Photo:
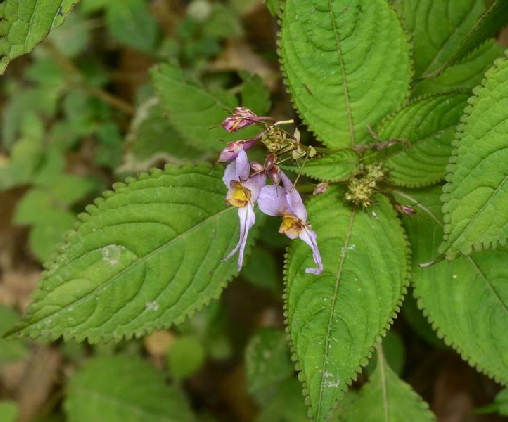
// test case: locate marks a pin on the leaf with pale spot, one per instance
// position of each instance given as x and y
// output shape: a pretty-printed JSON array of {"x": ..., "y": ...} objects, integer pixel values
[
  {"x": 144, "y": 257},
  {"x": 335, "y": 319}
]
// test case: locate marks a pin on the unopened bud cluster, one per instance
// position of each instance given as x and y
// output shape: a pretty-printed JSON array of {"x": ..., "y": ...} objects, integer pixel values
[{"x": 361, "y": 189}]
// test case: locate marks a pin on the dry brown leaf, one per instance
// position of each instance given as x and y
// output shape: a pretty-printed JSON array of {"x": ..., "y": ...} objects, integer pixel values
[
  {"x": 238, "y": 55},
  {"x": 17, "y": 286},
  {"x": 158, "y": 343}
]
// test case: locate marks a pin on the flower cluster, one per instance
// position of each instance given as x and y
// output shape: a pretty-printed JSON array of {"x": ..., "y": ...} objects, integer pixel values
[{"x": 247, "y": 183}]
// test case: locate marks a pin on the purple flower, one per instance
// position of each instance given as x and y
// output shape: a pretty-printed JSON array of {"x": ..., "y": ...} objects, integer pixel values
[
  {"x": 242, "y": 116},
  {"x": 286, "y": 202},
  {"x": 243, "y": 193},
  {"x": 231, "y": 151}
]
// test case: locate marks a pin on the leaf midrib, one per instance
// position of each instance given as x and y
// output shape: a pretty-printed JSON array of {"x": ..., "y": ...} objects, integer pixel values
[
  {"x": 332, "y": 308},
  {"x": 344, "y": 76},
  {"x": 450, "y": 37}
]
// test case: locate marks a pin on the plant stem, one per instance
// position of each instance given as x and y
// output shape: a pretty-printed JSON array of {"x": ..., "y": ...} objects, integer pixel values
[{"x": 74, "y": 77}]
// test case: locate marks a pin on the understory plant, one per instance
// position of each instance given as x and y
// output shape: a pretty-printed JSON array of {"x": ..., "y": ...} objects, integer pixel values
[{"x": 391, "y": 177}]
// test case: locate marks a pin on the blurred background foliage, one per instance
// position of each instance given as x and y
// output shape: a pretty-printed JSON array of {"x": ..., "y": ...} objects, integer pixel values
[{"x": 80, "y": 113}]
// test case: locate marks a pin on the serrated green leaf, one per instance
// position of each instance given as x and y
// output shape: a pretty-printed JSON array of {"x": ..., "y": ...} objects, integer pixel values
[
  {"x": 185, "y": 356},
  {"x": 145, "y": 257},
  {"x": 287, "y": 404},
  {"x": 49, "y": 231},
  {"x": 222, "y": 22},
  {"x": 420, "y": 325},
  {"x": 428, "y": 123},
  {"x": 151, "y": 137},
  {"x": 123, "y": 389},
  {"x": 347, "y": 64},
  {"x": 501, "y": 402},
  {"x": 268, "y": 363},
  {"x": 73, "y": 36},
  {"x": 335, "y": 319},
  {"x": 195, "y": 112},
  {"x": 26, "y": 156},
  {"x": 10, "y": 350},
  {"x": 8, "y": 411},
  {"x": 488, "y": 26},
  {"x": 464, "y": 75},
  {"x": 385, "y": 398},
  {"x": 27, "y": 23},
  {"x": 131, "y": 23},
  {"x": 394, "y": 354},
  {"x": 476, "y": 193},
  {"x": 437, "y": 27},
  {"x": 334, "y": 167},
  {"x": 465, "y": 299},
  {"x": 274, "y": 6},
  {"x": 255, "y": 94}
]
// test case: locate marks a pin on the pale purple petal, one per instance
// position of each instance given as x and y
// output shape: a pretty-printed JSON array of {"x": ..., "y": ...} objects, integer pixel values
[
  {"x": 255, "y": 184},
  {"x": 231, "y": 151},
  {"x": 229, "y": 174},
  {"x": 242, "y": 166},
  {"x": 294, "y": 199},
  {"x": 310, "y": 237},
  {"x": 272, "y": 200},
  {"x": 247, "y": 219}
]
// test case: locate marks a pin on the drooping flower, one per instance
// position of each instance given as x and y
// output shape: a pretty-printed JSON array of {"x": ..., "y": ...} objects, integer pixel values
[
  {"x": 242, "y": 117},
  {"x": 243, "y": 193},
  {"x": 231, "y": 151},
  {"x": 286, "y": 202}
]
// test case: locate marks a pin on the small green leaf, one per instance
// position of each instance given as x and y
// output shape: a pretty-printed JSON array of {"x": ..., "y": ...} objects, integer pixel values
[
  {"x": 8, "y": 411},
  {"x": 466, "y": 299},
  {"x": 477, "y": 191},
  {"x": 488, "y": 26},
  {"x": 73, "y": 36},
  {"x": 274, "y": 6},
  {"x": 347, "y": 64},
  {"x": 428, "y": 123},
  {"x": 10, "y": 350},
  {"x": 195, "y": 112},
  {"x": 334, "y": 167},
  {"x": 501, "y": 402},
  {"x": 131, "y": 23},
  {"x": 151, "y": 138},
  {"x": 255, "y": 94},
  {"x": 185, "y": 357},
  {"x": 385, "y": 398},
  {"x": 336, "y": 318},
  {"x": 437, "y": 27},
  {"x": 28, "y": 23},
  {"x": 144, "y": 257},
  {"x": 287, "y": 404},
  {"x": 268, "y": 363},
  {"x": 123, "y": 389},
  {"x": 464, "y": 75},
  {"x": 394, "y": 354}
]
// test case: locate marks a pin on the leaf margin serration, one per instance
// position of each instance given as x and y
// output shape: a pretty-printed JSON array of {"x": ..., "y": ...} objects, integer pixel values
[
  {"x": 447, "y": 193},
  {"x": 21, "y": 330},
  {"x": 363, "y": 361}
]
